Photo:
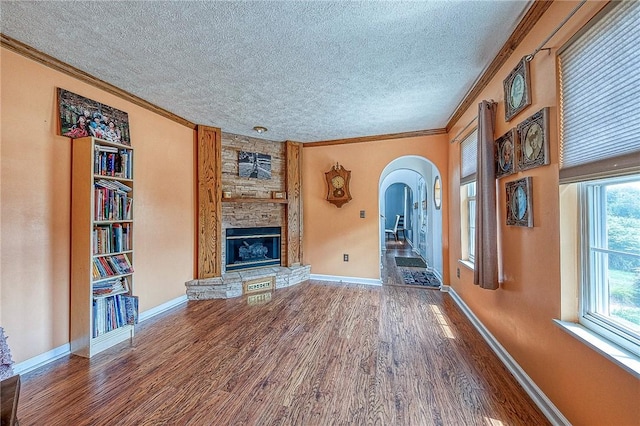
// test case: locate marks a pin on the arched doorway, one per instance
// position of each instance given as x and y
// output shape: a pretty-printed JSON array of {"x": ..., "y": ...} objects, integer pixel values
[{"x": 423, "y": 220}]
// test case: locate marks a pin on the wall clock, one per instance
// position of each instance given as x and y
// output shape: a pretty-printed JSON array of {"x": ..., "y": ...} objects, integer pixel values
[
  {"x": 338, "y": 185},
  {"x": 505, "y": 153},
  {"x": 519, "y": 203},
  {"x": 517, "y": 90},
  {"x": 533, "y": 134}
]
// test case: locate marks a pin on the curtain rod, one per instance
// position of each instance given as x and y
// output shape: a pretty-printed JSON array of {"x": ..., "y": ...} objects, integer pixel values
[
  {"x": 530, "y": 56},
  {"x": 455, "y": 139}
]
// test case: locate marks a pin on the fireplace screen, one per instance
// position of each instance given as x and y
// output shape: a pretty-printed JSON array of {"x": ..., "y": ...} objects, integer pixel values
[{"x": 252, "y": 248}]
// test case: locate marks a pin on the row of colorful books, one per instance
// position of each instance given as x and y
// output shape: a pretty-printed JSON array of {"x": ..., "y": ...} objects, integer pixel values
[
  {"x": 112, "y": 238},
  {"x": 108, "y": 266},
  {"x": 111, "y": 161},
  {"x": 111, "y": 287},
  {"x": 110, "y": 313},
  {"x": 111, "y": 204}
]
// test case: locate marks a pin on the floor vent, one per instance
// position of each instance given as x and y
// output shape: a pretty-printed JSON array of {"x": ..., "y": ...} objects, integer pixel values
[{"x": 258, "y": 299}]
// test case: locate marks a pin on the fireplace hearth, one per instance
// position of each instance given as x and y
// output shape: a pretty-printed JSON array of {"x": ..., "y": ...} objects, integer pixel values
[{"x": 248, "y": 248}]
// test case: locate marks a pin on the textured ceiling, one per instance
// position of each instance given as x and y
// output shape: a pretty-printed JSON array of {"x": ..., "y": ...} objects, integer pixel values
[{"x": 306, "y": 70}]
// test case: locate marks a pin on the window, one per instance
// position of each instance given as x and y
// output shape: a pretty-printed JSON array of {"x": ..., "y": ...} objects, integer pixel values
[
  {"x": 471, "y": 222},
  {"x": 611, "y": 258},
  {"x": 600, "y": 164},
  {"x": 468, "y": 164}
]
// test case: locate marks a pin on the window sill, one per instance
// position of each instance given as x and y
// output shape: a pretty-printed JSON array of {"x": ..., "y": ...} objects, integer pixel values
[
  {"x": 621, "y": 357},
  {"x": 466, "y": 263}
]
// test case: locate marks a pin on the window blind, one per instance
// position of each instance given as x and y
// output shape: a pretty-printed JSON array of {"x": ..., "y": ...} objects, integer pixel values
[
  {"x": 600, "y": 97},
  {"x": 469, "y": 158}
]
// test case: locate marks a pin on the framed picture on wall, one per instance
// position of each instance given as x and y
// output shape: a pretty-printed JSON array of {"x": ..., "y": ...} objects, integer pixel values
[
  {"x": 505, "y": 153},
  {"x": 81, "y": 117},
  {"x": 517, "y": 90},
  {"x": 533, "y": 134},
  {"x": 519, "y": 202},
  {"x": 254, "y": 165}
]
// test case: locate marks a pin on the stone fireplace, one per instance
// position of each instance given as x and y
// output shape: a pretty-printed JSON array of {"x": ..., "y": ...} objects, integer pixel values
[
  {"x": 250, "y": 242},
  {"x": 254, "y": 247}
]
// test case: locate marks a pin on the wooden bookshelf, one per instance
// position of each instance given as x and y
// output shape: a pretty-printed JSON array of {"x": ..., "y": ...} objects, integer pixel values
[{"x": 103, "y": 313}]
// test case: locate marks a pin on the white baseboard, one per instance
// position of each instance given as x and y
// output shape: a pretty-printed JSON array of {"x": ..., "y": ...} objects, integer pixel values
[
  {"x": 539, "y": 398},
  {"x": 64, "y": 350},
  {"x": 150, "y": 313},
  {"x": 353, "y": 280},
  {"x": 42, "y": 359},
  {"x": 436, "y": 273}
]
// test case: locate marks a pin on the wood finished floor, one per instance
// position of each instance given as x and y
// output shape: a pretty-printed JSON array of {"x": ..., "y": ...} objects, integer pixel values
[
  {"x": 316, "y": 354},
  {"x": 390, "y": 272}
]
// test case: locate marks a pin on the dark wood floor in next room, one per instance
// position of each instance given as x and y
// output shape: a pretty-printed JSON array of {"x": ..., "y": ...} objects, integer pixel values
[{"x": 315, "y": 354}]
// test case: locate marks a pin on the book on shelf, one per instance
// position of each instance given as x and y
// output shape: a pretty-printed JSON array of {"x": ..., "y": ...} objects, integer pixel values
[
  {"x": 112, "y": 238},
  {"x": 127, "y": 164},
  {"x": 111, "y": 161},
  {"x": 111, "y": 204},
  {"x": 126, "y": 237},
  {"x": 123, "y": 263},
  {"x": 119, "y": 264},
  {"x": 110, "y": 287},
  {"x": 98, "y": 269},
  {"x": 110, "y": 313},
  {"x": 110, "y": 265},
  {"x": 121, "y": 240},
  {"x": 105, "y": 268},
  {"x": 131, "y": 307},
  {"x": 106, "y": 148},
  {"x": 114, "y": 185}
]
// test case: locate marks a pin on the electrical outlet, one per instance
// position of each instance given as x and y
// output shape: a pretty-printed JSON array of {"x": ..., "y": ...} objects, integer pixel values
[
  {"x": 345, "y": 257},
  {"x": 361, "y": 214},
  {"x": 458, "y": 272}
]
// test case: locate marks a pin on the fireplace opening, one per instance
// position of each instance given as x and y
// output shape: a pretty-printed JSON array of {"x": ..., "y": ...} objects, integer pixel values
[{"x": 252, "y": 248}]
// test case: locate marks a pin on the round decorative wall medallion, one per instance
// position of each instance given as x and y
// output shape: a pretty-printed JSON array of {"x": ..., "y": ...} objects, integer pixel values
[{"x": 437, "y": 193}]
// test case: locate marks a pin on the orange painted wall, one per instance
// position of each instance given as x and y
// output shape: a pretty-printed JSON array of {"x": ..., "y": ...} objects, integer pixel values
[
  {"x": 586, "y": 387},
  {"x": 35, "y": 199},
  {"x": 329, "y": 232},
  {"x": 35, "y": 206}
]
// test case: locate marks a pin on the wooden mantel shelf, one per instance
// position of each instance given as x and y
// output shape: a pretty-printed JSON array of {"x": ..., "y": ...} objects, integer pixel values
[{"x": 255, "y": 200}]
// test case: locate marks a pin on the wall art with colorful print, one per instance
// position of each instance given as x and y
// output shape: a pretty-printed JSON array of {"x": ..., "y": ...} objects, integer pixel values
[{"x": 81, "y": 117}]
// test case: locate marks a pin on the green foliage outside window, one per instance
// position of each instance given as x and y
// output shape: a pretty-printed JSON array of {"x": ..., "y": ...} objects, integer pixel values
[{"x": 623, "y": 235}]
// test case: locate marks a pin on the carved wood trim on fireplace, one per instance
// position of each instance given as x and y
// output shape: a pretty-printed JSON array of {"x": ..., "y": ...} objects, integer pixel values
[
  {"x": 293, "y": 230},
  {"x": 209, "y": 205}
]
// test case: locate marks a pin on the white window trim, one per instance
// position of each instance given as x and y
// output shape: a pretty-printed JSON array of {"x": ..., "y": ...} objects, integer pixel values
[
  {"x": 467, "y": 264},
  {"x": 465, "y": 259},
  {"x": 573, "y": 323},
  {"x": 588, "y": 319},
  {"x": 471, "y": 258},
  {"x": 623, "y": 358}
]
